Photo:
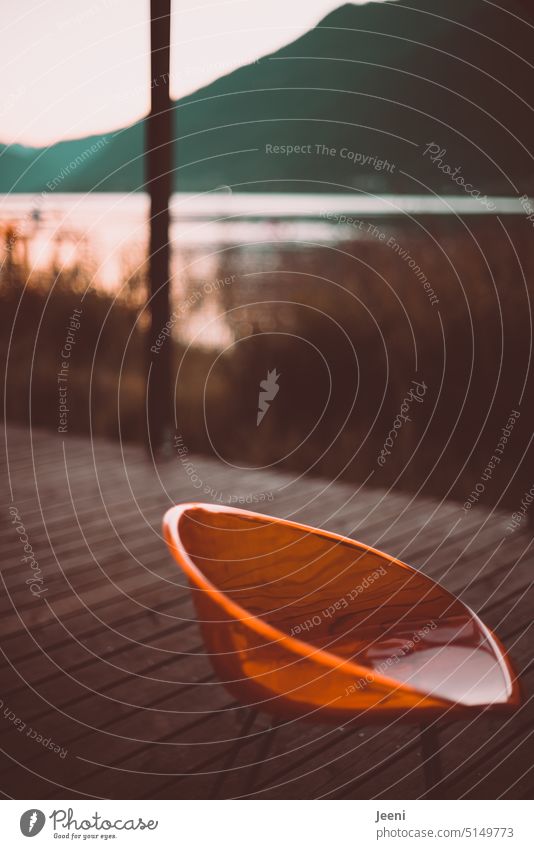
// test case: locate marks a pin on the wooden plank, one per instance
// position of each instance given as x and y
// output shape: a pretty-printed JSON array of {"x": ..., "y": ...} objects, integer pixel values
[
  {"x": 136, "y": 693},
  {"x": 134, "y": 762}
]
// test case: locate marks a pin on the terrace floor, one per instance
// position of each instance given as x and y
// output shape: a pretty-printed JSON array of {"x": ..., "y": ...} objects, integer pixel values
[{"x": 106, "y": 691}]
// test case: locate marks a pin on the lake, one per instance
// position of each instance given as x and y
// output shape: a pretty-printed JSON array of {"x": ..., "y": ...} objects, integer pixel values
[{"x": 111, "y": 229}]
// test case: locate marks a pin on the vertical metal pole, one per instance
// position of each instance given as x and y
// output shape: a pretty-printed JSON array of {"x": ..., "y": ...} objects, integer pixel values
[
  {"x": 430, "y": 755},
  {"x": 158, "y": 158},
  {"x": 249, "y": 718}
]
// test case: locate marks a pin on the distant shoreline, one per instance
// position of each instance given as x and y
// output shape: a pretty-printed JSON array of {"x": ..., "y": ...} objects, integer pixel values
[{"x": 270, "y": 204}]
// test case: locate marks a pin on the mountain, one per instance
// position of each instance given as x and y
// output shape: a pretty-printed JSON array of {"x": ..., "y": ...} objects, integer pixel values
[{"x": 372, "y": 86}]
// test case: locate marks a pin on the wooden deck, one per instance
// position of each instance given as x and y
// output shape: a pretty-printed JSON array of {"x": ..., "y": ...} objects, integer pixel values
[{"x": 107, "y": 664}]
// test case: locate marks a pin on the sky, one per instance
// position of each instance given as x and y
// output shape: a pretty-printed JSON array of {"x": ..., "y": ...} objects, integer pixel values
[{"x": 75, "y": 67}]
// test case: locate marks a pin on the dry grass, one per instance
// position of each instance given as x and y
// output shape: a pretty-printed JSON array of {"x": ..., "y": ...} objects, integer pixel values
[{"x": 347, "y": 328}]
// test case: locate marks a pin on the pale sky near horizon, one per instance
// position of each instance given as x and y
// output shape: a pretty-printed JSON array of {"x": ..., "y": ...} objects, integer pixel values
[{"x": 75, "y": 67}]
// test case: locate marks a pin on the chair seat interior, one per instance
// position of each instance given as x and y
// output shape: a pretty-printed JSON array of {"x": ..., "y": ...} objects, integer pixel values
[{"x": 340, "y": 597}]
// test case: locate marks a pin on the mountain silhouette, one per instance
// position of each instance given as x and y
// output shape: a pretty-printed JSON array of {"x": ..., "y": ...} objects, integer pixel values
[{"x": 364, "y": 94}]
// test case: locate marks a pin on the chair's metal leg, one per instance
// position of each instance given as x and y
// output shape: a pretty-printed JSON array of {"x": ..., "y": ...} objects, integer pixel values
[
  {"x": 253, "y": 772},
  {"x": 430, "y": 755},
  {"x": 249, "y": 718}
]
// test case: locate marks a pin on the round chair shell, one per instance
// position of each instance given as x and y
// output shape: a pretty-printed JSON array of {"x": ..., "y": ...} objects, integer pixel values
[{"x": 298, "y": 621}]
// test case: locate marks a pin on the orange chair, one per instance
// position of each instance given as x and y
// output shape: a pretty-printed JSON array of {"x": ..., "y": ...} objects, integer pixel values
[{"x": 303, "y": 622}]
